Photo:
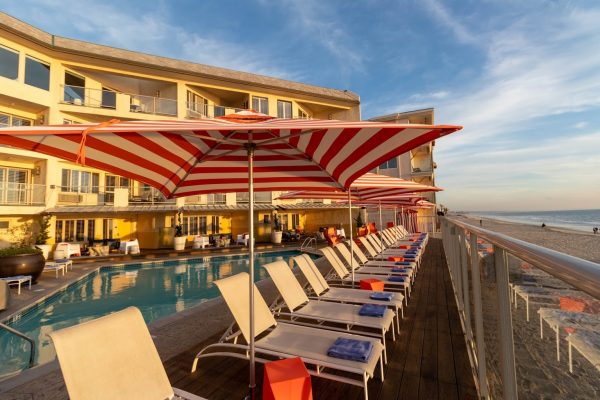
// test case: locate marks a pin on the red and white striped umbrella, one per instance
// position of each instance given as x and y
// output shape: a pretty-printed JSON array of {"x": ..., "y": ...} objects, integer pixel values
[
  {"x": 249, "y": 152},
  {"x": 182, "y": 158},
  {"x": 366, "y": 187}
]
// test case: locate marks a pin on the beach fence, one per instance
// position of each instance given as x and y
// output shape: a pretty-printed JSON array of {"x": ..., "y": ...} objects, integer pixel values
[{"x": 530, "y": 315}]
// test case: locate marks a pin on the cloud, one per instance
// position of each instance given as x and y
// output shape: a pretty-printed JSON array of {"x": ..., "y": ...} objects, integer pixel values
[
  {"x": 581, "y": 125},
  {"x": 147, "y": 30},
  {"x": 320, "y": 22},
  {"x": 445, "y": 18}
]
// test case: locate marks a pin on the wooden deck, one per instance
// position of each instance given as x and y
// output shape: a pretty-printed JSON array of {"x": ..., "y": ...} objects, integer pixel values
[{"x": 427, "y": 361}]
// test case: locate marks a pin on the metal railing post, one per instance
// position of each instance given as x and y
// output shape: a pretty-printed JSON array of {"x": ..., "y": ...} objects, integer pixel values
[
  {"x": 478, "y": 314},
  {"x": 507, "y": 348},
  {"x": 465, "y": 279}
]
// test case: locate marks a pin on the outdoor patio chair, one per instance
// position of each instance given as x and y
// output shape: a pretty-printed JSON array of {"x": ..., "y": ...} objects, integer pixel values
[
  {"x": 382, "y": 269},
  {"x": 113, "y": 357},
  {"x": 200, "y": 242},
  {"x": 345, "y": 277},
  {"x": 322, "y": 290},
  {"x": 324, "y": 314},
  {"x": 66, "y": 250},
  {"x": 277, "y": 339},
  {"x": 243, "y": 239},
  {"x": 364, "y": 261},
  {"x": 588, "y": 344}
]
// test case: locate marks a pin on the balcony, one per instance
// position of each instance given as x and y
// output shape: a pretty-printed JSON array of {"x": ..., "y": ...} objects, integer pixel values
[
  {"x": 121, "y": 102},
  {"x": 421, "y": 171},
  {"x": 108, "y": 195},
  {"x": 22, "y": 194}
]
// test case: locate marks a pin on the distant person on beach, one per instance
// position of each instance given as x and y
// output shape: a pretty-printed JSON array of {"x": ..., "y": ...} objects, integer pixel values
[
  {"x": 595, "y": 230},
  {"x": 543, "y": 225},
  {"x": 480, "y": 222}
]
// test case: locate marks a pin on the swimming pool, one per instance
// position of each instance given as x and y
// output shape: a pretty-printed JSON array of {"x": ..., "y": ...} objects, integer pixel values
[{"x": 158, "y": 289}]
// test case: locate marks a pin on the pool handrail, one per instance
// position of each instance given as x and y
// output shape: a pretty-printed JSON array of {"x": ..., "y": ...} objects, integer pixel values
[{"x": 25, "y": 337}]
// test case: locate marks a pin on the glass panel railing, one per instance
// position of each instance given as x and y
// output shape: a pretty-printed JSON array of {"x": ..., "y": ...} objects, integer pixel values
[
  {"x": 531, "y": 316},
  {"x": 22, "y": 194}
]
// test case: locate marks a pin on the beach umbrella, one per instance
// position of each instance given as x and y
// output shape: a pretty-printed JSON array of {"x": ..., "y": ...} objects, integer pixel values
[
  {"x": 362, "y": 191},
  {"x": 243, "y": 152}
]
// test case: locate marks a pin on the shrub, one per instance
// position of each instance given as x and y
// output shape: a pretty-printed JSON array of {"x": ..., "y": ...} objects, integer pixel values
[{"x": 15, "y": 251}]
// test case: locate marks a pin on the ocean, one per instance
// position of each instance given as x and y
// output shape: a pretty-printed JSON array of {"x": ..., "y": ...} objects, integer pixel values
[{"x": 580, "y": 220}]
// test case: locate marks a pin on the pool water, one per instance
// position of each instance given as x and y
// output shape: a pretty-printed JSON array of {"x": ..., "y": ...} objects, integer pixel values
[{"x": 158, "y": 289}]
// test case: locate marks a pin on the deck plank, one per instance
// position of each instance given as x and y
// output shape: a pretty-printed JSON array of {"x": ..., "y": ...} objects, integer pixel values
[{"x": 428, "y": 360}]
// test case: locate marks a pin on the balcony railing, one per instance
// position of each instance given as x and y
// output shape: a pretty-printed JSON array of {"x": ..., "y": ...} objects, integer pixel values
[
  {"x": 196, "y": 110},
  {"x": 22, "y": 194},
  {"x": 105, "y": 195},
  {"x": 123, "y": 102},
  {"x": 508, "y": 293}
]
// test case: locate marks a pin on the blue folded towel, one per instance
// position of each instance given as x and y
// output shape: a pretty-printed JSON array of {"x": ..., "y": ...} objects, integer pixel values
[
  {"x": 372, "y": 310},
  {"x": 351, "y": 349},
  {"x": 382, "y": 296},
  {"x": 395, "y": 278},
  {"x": 396, "y": 269},
  {"x": 402, "y": 263},
  {"x": 64, "y": 260}
]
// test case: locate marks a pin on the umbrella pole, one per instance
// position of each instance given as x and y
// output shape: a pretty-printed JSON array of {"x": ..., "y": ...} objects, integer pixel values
[
  {"x": 252, "y": 384},
  {"x": 351, "y": 239},
  {"x": 395, "y": 216},
  {"x": 380, "y": 227}
]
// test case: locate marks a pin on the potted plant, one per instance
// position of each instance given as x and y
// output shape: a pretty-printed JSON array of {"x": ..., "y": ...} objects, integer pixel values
[
  {"x": 276, "y": 233},
  {"x": 180, "y": 238},
  {"x": 42, "y": 236},
  {"x": 21, "y": 258}
]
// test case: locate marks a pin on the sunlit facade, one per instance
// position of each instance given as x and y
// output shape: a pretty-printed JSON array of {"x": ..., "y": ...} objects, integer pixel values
[{"x": 47, "y": 79}]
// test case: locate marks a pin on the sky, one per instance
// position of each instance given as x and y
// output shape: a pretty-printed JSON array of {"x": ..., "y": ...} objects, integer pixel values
[{"x": 522, "y": 77}]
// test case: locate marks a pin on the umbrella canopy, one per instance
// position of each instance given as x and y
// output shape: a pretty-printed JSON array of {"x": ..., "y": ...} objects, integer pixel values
[
  {"x": 182, "y": 158},
  {"x": 249, "y": 152},
  {"x": 366, "y": 187}
]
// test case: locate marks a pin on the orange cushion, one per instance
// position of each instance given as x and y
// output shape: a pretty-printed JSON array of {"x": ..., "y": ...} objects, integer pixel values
[
  {"x": 372, "y": 284},
  {"x": 397, "y": 259},
  {"x": 286, "y": 379}
]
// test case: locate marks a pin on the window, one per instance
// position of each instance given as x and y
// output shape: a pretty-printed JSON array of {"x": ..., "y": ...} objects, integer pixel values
[
  {"x": 91, "y": 232},
  {"x": 260, "y": 104},
  {"x": 109, "y": 98},
  {"x": 12, "y": 120},
  {"x": 74, "y": 89},
  {"x": 9, "y": 63},
  {"x": 79, "y": 181},
  {"x": 259, "y": 197},
  {"x": 391, "y": 163},
  {"x": 302, "y": 114},
  {"x": 215, "y": 224},
  {"x": 284, "y": 109},
  {"x": 196, "y": 104},
  {"x": 37, "y": 73},
  {"x": 284, "y": 221},
  {"x": 215, "y": 198},
  {"x": 186, "y": 222},
  {"x": 13, "y": 185},
  {"x": 202, "y": 223},
  {"x": 70, "y": 122},
  {"x": 295, "y": 221},
  {"x": 73, "y": 230},
  {"x": 107, "y": 228}
]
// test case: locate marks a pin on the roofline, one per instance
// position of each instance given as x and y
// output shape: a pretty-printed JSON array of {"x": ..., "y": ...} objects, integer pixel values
[
  {"x": 72, "y": 46},
  {"x": 399, "y": 115}
]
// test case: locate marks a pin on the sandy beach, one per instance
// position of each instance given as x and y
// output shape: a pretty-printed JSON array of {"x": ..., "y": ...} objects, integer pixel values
[{"x": 576, "y": 243}]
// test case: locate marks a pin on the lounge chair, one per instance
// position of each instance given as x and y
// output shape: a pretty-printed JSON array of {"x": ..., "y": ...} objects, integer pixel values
[
  {"x": 364, "y": 261},
  {"x": 383, "y": 269},
  {"x": 113, "y": 357},
  {"x": 277, "y": 339},
  {"x": 567, "y": 319},
  {"x": 66, "y": 250},
  {"x": 588, "y": 344},
  {"x": 344, "y": 276},
  {"x": 374, "y": 247},
  {"x": 341, "y": 317},
  {"x": 323, "y": 291}
]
